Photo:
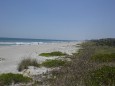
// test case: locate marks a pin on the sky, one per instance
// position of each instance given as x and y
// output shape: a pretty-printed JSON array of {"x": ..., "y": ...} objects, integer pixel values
[{"x": 57, "y": 19}]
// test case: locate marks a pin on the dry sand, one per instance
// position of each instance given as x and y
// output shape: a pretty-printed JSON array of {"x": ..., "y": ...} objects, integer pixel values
[{"x": 10, "y": 56}]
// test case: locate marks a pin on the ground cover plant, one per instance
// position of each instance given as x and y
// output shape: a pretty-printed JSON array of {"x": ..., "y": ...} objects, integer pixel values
[
  {"x": 104, "y": 57},
  {"x": 53, "y": 63},
  {"x": 9, "y": 78},
  {"x": 104, "y": 76},
  {"x": 56, "y": 53}
]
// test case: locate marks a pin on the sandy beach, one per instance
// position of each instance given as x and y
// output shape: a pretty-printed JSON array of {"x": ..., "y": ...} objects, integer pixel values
[{"x": 10, "y": 56}]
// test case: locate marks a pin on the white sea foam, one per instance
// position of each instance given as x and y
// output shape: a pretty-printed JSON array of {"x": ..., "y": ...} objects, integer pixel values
[{"x": 20, "y": 43}]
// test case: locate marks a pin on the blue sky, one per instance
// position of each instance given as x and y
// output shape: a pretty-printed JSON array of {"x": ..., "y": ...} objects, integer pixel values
[{"x": 57, "y": 19}]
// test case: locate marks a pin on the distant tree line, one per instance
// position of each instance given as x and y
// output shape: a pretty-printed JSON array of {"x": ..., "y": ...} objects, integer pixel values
[{"x": 105, "y": 42}]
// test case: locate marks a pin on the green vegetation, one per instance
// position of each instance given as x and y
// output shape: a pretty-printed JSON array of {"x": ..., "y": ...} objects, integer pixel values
[
  {"x": 56, "y": 53},
  {"x": 105, "y": 42},
  {"x": 53, "y": 63},
  {"x": 27, "y": 62},
  {"x": 9, "y": 78},
  {"x": 92, "y": 65},
  {"x": 105, "y": 50},
  {"x": 104, "y": 76},
  {"x": 104, "y": 57},
  {"x": 87, "y": 66}
]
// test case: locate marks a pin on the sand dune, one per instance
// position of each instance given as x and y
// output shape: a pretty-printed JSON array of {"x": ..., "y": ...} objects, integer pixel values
[{"x": 12, "y": 55}]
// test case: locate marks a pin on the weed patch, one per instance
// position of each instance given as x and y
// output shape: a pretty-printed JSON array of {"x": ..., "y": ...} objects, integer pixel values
[{"x": 56, "y": 53}]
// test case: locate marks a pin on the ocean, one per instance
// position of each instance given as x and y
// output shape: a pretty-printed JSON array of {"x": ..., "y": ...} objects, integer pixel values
[{"x": 27, "y": 41}]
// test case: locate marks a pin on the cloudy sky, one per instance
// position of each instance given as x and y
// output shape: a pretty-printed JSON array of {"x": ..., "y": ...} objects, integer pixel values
[{"x": 57, "y": 19}]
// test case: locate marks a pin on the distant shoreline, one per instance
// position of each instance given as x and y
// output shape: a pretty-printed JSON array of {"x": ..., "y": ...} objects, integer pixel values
[{"x": 24, "y": 41}]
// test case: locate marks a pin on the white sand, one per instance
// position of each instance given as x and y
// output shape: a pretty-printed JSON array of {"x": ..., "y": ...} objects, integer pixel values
[{"x": 12, "y": 55}]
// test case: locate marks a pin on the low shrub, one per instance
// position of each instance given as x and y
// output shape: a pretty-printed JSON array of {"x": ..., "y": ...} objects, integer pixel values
[
  {"x": 53, "y": 63},
  {"x": 77, "y": 73},
  {"x": 27, "y": 62},
  {"x": 104, "y": 76},
  {"x": 104, "y": 57},
  {"x": 56, "y": 53},
  {"x": 105, "y": 42},
  {"x": 9, "y": 78}
]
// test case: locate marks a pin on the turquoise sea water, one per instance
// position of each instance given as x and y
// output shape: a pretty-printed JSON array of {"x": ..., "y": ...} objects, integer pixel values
[{"x": 25, "y": 41}]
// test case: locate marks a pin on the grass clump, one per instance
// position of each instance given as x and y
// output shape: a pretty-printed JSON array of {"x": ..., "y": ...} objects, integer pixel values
[
  {"x": 104, "y": 57},
  {"x": 27, "y": 62},
  {"x": 56, "y": 53},
  {"x": 9, "y": 78},
  {"x": 104, "y": 76},
  {"x": 53, "y": 63}
]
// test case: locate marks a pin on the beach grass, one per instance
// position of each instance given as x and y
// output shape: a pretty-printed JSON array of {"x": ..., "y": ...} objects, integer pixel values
[
  {"x": 53, "y": 63},
  {"x": 55, "y": 53},
  {"x": 9, "y": 78},
  {"x": 27, "y": 62}
]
